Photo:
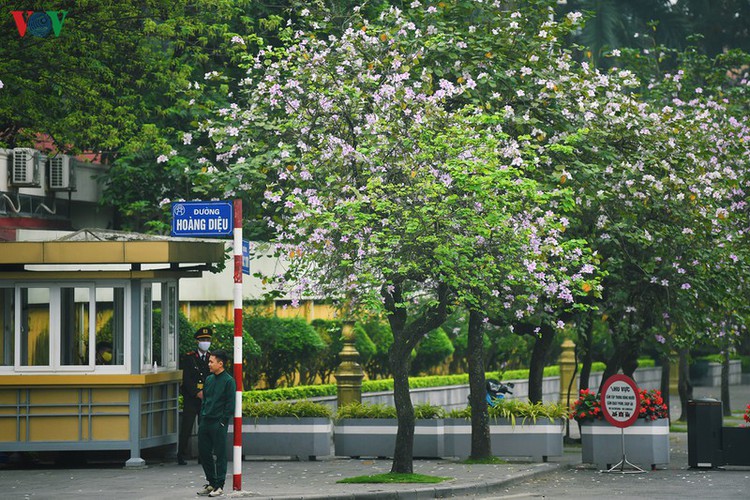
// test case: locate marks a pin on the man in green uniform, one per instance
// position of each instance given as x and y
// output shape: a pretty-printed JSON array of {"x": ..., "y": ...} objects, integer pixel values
[
  {"x": 194, "y": 366},
  {"x": 216, "y": 412}
]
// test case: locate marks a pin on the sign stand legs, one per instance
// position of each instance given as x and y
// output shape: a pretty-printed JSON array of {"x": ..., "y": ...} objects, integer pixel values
[{"x": 622, "y": 463}]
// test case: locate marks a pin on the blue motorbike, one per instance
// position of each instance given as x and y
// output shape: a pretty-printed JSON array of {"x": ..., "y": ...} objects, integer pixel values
[{"x": 497, "y": 390}]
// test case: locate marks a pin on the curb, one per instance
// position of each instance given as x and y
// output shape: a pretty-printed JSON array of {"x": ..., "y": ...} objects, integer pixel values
[{"x": 442, "y": 491}]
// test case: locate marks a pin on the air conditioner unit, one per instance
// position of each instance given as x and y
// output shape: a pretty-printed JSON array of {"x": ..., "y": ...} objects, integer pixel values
[
  {"x": 25, "y": 168},
  {"x": 61, "y": 173}
]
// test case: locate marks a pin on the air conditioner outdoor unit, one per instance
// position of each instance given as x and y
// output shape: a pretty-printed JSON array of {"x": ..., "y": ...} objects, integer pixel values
[
  {"x": 25, "y": 167},
  {"x": 61, "y": 173}
]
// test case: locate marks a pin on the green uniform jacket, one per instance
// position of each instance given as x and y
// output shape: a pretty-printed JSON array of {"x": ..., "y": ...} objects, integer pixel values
[{"x": 218, "y": 397}]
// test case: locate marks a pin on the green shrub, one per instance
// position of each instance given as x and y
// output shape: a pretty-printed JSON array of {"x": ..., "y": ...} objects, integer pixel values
[
  {"x": 386, "y": 385},
  {"x": 330, "y": 331},
  {"x": 462, "y": 413},
  {"x": 370, "y": 410},
  {"x": 425, "y": 411},
  {"x": 745, "y": 360},
  {"x": 502, "y": 348},
  {"x": 432, "y": 351},
  {"x": 646, "y": 363},
  {"x": 514, "y": 409},
  {"x": 285, "y": 393},
  {"x": 381, "y": 335},
  {"x": 365, "y": 410},
  {"x": 297, "y": 409},
  {"x": 715, "y": 358},
  {"x": 288, "y": 346}
]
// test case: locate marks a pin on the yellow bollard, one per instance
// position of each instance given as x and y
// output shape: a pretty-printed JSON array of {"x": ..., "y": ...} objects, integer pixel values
[
  {"x": 567, "y": 369},
  {"x": 349, "y": 373}
]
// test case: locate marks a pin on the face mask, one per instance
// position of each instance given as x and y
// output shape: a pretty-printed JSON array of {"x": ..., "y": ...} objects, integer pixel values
[
  {"x": 107, "y": 356},
  {"x": 203, "y": 346}
]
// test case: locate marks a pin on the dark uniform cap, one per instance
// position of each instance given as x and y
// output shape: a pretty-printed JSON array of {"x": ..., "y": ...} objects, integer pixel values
[{"x": 204, "y": 333}]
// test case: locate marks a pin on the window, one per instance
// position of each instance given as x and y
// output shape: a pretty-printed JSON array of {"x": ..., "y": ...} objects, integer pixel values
[
  {"x": 7, "y": 325},
  {"x": 34, "y": 345},
  {"x": 161, "y": 333},
  {"x": 64, "y": 327},
  {"x": 147, "y": 314},
  {"x": 110, "y": 326},
  {"x": 76, "y": 328},
  {"x": 170, "y": 345}
]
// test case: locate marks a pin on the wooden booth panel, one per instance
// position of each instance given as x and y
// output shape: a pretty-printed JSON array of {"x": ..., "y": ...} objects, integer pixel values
[{"x": 110, "y": 428}]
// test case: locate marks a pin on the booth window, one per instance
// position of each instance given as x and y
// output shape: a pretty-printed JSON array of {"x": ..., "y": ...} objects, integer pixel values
[
  {"x": 110, "y": 326},
  {"x": 75, "y": 326},
  {"x": 7, "y": 325},
  {"x": 147, "y": 313},
  {"x": 160, "y": 304},
  {"x": 35, "y": 326},
  {"x": 170, "y": 347},
  {"x": 69, "y": 327}
]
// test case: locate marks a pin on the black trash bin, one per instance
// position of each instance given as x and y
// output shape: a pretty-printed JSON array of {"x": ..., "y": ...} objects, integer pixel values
[{"x": 704, "y": 419}]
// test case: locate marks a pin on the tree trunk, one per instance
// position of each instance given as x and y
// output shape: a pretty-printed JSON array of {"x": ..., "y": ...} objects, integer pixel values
[
  {"x": 536, "y": 365},
  {"x": 587, "y": 339},
  {"x": 664, "y": 385},
  {"x": 631, "y": 350},
  {"x": 684, "y": 386},
  {"x": 406, "y": 337},
  {"x": 613, "y": 364},
  {"x": 727, "y": 409},
  {"x": 400, "y": 359},
  {"x": 481, "y": 446}
]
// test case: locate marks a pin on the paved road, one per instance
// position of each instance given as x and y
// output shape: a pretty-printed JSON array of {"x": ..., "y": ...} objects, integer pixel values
[
  {"x": 582, "y": 481},
  {"x": 675, "y": 481}
]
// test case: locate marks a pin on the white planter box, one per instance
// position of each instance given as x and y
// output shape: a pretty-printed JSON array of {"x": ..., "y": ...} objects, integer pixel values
[
  {"x": 646, "y": 443},
  {"x": 376, "y": 437},
  {"x": 304, "y": 438},
  {"x": 538, "y": 440}
]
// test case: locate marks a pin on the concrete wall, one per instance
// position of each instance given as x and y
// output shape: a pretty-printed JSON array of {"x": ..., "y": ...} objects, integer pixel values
[
  {"x": 713, "y": 376},
  {"x": 456, "y": 397}
]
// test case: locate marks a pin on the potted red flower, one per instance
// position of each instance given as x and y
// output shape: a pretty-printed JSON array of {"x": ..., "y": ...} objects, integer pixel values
[{"x": 646, "y": 441}]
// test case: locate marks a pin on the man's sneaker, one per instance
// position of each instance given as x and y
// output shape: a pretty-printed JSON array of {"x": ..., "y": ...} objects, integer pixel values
[
  {"x": 216, "y": 493},
  {"x": 207, "y": 489}
]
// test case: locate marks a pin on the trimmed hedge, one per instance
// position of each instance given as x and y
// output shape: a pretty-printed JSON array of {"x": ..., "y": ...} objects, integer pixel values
[
  {"x": 385, "y": 385},
  {"x": 378, "y": 410},
  {"x": 297, "y": 409},
  {"x": 289, "y": 346}
]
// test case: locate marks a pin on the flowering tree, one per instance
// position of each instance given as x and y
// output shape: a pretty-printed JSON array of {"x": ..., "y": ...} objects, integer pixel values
[
  {"x": 660, "y": 183},
  {"x": 453, "y": 153},
  {"x": 396, "y": 181}
]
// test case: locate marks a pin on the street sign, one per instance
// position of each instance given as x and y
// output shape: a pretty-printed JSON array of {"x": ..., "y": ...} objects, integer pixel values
[
  {"x": 621, "y": 402},
  {"x": 245, "y": 257},
  {"x": 202, "y": 218}
]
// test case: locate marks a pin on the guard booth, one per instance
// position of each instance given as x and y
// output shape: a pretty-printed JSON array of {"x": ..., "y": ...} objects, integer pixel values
[{"x": 89, "y": 340}]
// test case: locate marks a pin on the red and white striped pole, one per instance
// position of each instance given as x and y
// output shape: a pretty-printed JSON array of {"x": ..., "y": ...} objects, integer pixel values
[{"x": 237, "y": 449}]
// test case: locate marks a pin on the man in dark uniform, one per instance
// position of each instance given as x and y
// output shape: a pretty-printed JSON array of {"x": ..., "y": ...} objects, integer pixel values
[{"x": 194, "y": 366}]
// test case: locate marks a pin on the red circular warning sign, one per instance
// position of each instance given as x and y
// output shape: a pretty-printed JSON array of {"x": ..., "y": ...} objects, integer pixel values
[{"x": 620, "y": 401}]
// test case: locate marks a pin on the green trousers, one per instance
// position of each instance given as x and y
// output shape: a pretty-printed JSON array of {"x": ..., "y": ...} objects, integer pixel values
[{"x": 212, "y": 441}]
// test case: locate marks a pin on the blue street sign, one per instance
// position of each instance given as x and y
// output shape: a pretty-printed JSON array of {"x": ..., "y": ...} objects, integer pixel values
[
  {"x": 202, "y": 218},
  {"x": 245, "y": 257}
]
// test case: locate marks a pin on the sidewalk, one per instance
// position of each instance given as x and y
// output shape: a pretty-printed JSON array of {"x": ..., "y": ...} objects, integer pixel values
[
  {"x": 281, "y": 479},
  {"x": 284, "y": 479}
]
